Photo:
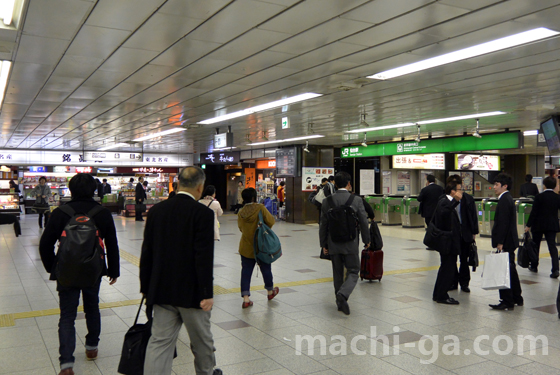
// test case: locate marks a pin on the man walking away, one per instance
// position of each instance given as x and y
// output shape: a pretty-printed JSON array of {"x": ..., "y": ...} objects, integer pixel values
[
  {"x": 428, "y": 198},
  {"x": 176, "y": 276},
  {"x": 343, "y": 254},
  {"x": 82, "y": 187},
  {"x": 140, "y": 196},
  {"x": 543, "y": 221},
  {"x": 504, "y": 238},
  {"x": 467, "y": 214},
  {"x": 529, "y": 189}
]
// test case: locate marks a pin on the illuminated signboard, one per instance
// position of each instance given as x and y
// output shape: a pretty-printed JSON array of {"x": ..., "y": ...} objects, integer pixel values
[
  {"x": 477, "y": 162},
  {"x": 428, "y": 161},
  {"x": 84, "y": 169},
  {"x": 38, "y": 169},
  {"x": 220, "y": 158}
]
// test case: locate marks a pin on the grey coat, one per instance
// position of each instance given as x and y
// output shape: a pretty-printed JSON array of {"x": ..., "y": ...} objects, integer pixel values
[
  {"x": 41, "y": 190},
  {"x": 340, "y": 197}
]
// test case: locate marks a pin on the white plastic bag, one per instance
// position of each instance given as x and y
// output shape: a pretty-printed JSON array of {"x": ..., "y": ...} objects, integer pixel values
[{"x": 496, "y": 271}]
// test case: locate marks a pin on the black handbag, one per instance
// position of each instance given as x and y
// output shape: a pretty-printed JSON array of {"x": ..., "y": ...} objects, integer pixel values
[
  {"x": 473, "y": 256},
  {"x": 140, "y": 207},
  {"x": 375, "y": 237},
  {"x": 324, "y": 256},
  {"x": 438, "y": 239},
  {"x": 135, "y": 344},
  {"x": 527, "y": 253}
]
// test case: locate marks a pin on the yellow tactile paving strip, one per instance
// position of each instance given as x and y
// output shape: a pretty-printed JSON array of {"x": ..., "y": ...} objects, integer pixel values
[{"x": 9, "y": 320}]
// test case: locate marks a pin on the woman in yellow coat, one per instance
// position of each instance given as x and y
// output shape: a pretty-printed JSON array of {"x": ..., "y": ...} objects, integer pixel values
[{"x": 247, "y": 220}]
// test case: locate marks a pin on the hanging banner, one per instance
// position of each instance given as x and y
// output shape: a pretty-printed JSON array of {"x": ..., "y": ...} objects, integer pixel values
[
  {"x": 312, "y": 176},
  {"x": 250, "y": 179},
  {"x": 367, "y": 181}
]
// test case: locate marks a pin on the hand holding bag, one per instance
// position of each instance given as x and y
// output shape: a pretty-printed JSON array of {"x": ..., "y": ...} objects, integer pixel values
[
  {"x": 496, "y": 271},
  {"x": 473, "y": 256},
  {"x": 524, "y": 251}
]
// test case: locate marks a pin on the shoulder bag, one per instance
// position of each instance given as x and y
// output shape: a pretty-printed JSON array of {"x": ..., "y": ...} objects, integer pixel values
[{"x": 438, "y": 239}]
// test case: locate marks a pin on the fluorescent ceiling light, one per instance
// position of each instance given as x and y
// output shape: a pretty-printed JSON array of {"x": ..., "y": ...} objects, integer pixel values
[
  {"x": 7, "y": 11},
  {"x": 116, "y": 145},
  {"x": 155, "y": 135},
  {"x": 223, "y": 149},
  {"x": 260, "y": 108},
  {"x": 466, "y": 53},
  {"x": 530, "y": 132},
  {"x": 4, "y": 73},
  {"x": 425, "y": 122},
  {"x": 288, "y": 140}
]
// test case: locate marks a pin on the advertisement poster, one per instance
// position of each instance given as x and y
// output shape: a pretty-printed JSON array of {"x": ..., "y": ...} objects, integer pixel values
[
  {"x": 477, "y": 162},
  {"x": 468, "y": 181},
  {"x": 428, "y": 161},
  {"x": 250, "y": 178},
  {"x": 386, "y": 182},
  {"x": 367, "y": 181},
  {"x": 312, "y": 176},
  {"x": 403, "y": 182},
  {"x": 477, "y": 186}
]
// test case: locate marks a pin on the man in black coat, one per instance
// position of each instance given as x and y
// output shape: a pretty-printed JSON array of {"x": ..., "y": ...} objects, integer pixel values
[
  {"x": 529, "y": 189},
  {"x": 176, "y": 275},
  {"x": 543, "y": 221},
  {"x": 140, "y": 196},
  {"x": 428, "y": 198},
  {"x": 447, "y": 219},
  {"x": 469, "y": 229},
  {"x": 504, "y": 238},
  {"x": 82, "y": 186}
]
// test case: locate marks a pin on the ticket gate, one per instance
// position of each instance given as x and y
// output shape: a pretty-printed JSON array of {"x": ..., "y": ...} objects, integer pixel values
[
  {"x": 410, "y": 214},
  {"x": 392, "y": 208}
]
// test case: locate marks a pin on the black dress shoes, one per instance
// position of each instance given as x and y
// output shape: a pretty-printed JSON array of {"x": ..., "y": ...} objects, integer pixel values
[
  {"x": 342, "y": 304},
  {"x": 465, "y": 289},
  {"x": 519, "y": 302},
  {"x": 554, "y": 275},
  {"x": 449, "y": 301},
  {"x": 533, "y": 269},
  {"x": 502, "y": 306}
]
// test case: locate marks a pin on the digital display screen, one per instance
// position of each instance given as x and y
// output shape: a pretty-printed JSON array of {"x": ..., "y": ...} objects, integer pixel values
[{"x": 550, "y": 131}]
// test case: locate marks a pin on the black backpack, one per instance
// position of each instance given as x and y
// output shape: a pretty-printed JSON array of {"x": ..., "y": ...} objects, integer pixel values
[
  {"x": 342, "y": 221},
  {"x": 80, "y": 260}
]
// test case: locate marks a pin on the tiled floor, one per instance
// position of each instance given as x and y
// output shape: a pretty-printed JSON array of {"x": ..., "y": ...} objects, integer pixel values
[{"x": 394, "y": 328}]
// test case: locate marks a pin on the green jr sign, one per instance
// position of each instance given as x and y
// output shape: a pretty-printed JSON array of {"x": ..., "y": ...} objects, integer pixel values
[{"x": 495, "y": 141}]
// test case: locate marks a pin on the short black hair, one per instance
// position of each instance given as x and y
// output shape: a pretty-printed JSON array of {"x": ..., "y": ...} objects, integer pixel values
[
  {"x": 174, "y": 185},
  {"x": 342, "y": 179},
  {"x": 104, "y": 180},
  {"x": 549, "y": 182},
  {"x": 331, "y": 178},
  {"x": 42, "y": 178},
  {"x": 145, "y": 183},
  {"x": 131, "y": 179},
  {"x": 209, "y": 190},
  {"x": 240, "y": 182},
  {"x": 324, "y": 180},
  {"x": 504, "y": 179},
  {"x": 140, "y": 179},
  {"x": 282, "y": 183},
  {"x": 249, "y": 195},
  {"x": 528, "y": 178},
  {"x": 430, "y": 178},
  {"x": 451, "y": 186},
  {"x": 191, "y": 177},
  {"x": 82, "y": 185},
  {"x": 455, "y": 177}
]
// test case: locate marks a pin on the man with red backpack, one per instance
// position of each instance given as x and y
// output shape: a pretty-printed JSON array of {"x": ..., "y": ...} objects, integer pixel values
[{"x": 83, "y": 228}]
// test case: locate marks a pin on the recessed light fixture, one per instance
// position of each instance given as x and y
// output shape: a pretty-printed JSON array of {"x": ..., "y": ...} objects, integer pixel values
[
  {"x": 155, "y": 135},
  {"x": 466, "y": 53},
  {"x": 530, "y": 132},
  {"x": 4, "y": 73},
  {"x": 116, "y": 145},
  {"x": 262, "y": 107},
  {"x": 7, "y": 11},
  {"x": 288, "y": 140},
  {"x": 425, "y": 122}
]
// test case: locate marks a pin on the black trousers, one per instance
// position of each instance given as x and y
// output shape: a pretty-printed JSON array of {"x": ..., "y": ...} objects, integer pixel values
[
  {"x": 445, "y": 276},
  {"x": 47, "y": 214},
  {"x": 552, "y": 249},
  {"x": 512, "y": 295},
  {"x": 463, "y": 276},
  {"x": 138, "y": 213}
]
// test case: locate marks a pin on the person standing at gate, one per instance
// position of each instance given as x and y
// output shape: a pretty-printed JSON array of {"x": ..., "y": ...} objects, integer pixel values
[
  {"x": 529, "y": 189},
  {"x": 140, "y": 196},
  {"x": 428, "y": 198},
  {"x": 543, "y": 221},
  {"x": 505, "y": 239}
]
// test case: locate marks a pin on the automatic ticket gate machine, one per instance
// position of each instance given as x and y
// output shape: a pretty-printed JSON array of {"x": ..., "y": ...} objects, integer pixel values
[
  {"x": 392, "y": 209},
  {"x": 489, "y": 206},
  {"x": 479, "y": 212},
  {"x": 376, "y": 202},
  {"x": 523, "y": 207},
  {"x": 410, "y": 216}
]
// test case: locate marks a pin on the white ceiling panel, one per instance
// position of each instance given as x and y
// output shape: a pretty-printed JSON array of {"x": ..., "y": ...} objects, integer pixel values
[
  {"x": 59, "y": 19},
  {"x": 117, "y": 14},
  {"x": 97, "y": 42},
  {"x": 379, "y": 11},
  {"x": 39, "y": 50},
  {"x": 193, "y": 8}
]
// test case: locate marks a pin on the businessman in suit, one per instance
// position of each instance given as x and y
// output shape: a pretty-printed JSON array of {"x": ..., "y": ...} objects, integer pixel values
[
  {"x": 176, "y": 275},
  {"x": 505, "y": 239},
  {"x": 466, "y": 211},
  {"x": 543, "y": 221},
  {"x": 428, "y": 198},
  {"x": 345, "y": 254},
  {"x": 529, "y": 189},
  {"x": 140, "y": 196}
]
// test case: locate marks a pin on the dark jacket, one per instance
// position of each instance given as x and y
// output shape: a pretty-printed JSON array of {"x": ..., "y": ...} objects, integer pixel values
[
  {"x": 504, "y": 230},
  {"x": 369, "y": 210},
  {"x": 446, "y": 218},
  {"x": 529, "y": 189},
  {"x": 102, "y": 190},
  {"x": 177, "y": 261},
  {"x": 469, "y": 218},
  {"x": 140, "y": 193},
  {"x": 428, "y": 198},
  {"x": 544, "y": 214},
  {"x": 104, "y": 223},
  {"x": 172, "y": 194}
]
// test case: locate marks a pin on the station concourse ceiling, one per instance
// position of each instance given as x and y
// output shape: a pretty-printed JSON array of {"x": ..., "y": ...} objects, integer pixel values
[{"x": 92, "y": 73}]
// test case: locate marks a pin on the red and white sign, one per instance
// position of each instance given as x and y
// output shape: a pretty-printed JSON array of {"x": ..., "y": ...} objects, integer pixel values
[
  {"x": 84, "y": 169},
  {"x": 266, "y": 164},
  {"x": 426, "y": 161}
]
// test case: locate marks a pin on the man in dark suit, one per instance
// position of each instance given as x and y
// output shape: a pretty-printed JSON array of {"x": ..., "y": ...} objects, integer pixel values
[
  {"x": 469, "y": 229},
  {"x": 504, "y": 238},
  {"x": 428, "y": 198},
  {"x": 529, "y": 189},
  {"x": 140, "y": 196},
  {"x": 176, "y": 275},
  {"x": 543, "y": 221},
  {"x": 446, "y": 218},
  {"x": 343, "y": 254},
  {"x": 106, "y": 188}
]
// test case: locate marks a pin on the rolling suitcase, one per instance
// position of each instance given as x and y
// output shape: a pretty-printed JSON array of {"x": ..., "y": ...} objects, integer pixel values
[{"x": 372, "y": 265}]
